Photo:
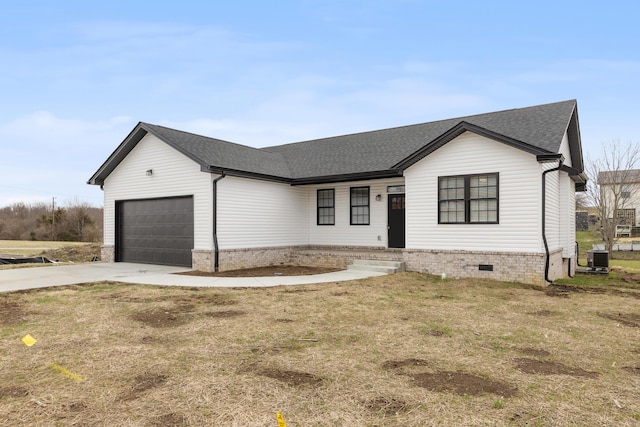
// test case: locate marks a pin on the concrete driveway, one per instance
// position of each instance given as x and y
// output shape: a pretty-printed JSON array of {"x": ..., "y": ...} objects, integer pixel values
[{"x": 43, "y": 277}]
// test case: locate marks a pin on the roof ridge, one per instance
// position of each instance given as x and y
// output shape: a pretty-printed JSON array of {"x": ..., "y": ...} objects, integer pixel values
[
  {"x": 201, "y": 136},
  {"x": 454, "y": 119}
]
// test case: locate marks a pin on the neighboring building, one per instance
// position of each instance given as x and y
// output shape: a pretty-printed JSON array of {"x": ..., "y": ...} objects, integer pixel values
[
  {"x": 490, "y": 195},
  {"x": 620, "y": 191}
]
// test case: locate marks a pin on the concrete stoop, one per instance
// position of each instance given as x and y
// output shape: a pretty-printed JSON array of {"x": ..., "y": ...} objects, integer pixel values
[{"x": 377, "y": 266}]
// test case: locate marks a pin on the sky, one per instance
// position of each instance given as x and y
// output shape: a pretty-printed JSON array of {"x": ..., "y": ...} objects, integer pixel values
[{"x": 76, "y": 76}]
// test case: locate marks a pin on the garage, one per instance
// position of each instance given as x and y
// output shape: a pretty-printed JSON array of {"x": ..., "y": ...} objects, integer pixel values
[{"x": 155, "y": 231}]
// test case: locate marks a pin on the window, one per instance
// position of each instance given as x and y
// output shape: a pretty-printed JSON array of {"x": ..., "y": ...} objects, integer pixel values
[
  {"x": 468, "y": 199},
  {"x": 626, "y": 192},
  {"x": 326, "y": 207},
  {"x": 359, "y": 205}
]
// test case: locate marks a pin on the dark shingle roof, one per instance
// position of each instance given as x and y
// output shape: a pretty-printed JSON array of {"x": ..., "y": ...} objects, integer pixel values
[
  {"x": 223, "y": 154},
  {"x": 629, "y": 176},
  {"x": 386, "y": 152},
  {"x": 541, "y": 127}
]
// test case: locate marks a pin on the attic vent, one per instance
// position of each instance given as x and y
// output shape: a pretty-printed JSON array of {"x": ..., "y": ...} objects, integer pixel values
[{"x": 485, "y": 267}]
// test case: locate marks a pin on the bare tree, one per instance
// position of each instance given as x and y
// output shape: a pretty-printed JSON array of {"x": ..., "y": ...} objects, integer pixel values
[
  {"x": 583, "y": 201},
  {"x": 614, "y": 185},
  {"x": 81, "y": 222},
  {"x": 78, "y": 221}
]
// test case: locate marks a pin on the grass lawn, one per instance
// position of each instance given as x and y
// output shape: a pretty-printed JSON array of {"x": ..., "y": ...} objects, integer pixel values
[
  {"x": 399, "y": 350},
  {"x": 626, "y": 259}
]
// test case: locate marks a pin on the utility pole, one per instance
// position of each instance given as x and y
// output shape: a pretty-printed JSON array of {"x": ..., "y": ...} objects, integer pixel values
[{"x": 53, "y": 217}]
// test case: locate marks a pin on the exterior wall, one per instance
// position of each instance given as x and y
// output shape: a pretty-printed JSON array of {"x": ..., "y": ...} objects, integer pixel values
[
  {"x": 519, "y": 228},
  {"x": 107, "y": 253},
  {"x": 565, "y": 150},
  {"x": 173, "y": 175},
  {"x": 343, "y": 233},
  {"x": 552, "y": 220},
  {"x": 567, "y": 216},
  {"x": 260, "y": 214},
  {"x": 520, "y": 267},
  {"x": 342, "y": 256},
  {"x": 317, "y": 256},
  {"x": 234, "y": 259}
]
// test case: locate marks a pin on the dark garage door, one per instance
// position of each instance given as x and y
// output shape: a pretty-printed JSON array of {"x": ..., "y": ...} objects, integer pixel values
[{"x": 155, "y": 231}]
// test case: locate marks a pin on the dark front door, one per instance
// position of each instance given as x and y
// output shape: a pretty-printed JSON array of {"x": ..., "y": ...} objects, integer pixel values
[{"x": 396, "y": 220}]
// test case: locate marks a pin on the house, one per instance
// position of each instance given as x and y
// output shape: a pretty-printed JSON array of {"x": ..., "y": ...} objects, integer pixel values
[
  {"x": 489, "y": 195},
  {"x": 620, "y": 199}
]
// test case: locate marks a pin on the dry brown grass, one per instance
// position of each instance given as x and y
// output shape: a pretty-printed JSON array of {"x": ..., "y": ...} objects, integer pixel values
[{"x": 400, "y": 350}]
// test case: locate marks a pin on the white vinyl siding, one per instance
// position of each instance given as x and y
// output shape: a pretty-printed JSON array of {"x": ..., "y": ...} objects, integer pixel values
[
  {"x": 567, "y": 216},
  {"x": 565, "y": 151},
  {"x": 567, "y": 205},
  {"x": 552, "y": 219},
  {"x": 519, "y": 227},
  {"x": 255, "y": 214},
  {"x": 342, "y": 233},
  {"x": 173, "y": 175}
]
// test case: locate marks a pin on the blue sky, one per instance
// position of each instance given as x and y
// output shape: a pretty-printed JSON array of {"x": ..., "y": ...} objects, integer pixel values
[{"x": 77, "y": 76}]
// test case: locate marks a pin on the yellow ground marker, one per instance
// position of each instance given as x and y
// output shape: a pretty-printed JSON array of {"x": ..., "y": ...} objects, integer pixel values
[
  {"x": 28, "y": 340},
  {"x": 65, "y": 371},
  {"x": 281, "y": 422}
]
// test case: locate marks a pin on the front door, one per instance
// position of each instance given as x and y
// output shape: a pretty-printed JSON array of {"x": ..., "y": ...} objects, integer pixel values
[{"x": 396, "y": 220}]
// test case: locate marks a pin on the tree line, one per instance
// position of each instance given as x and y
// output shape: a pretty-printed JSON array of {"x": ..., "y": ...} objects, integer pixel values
[{"x": 75, "y": 221}]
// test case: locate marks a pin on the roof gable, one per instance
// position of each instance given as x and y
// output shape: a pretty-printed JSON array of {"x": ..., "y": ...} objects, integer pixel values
[
  {"x": 458, "y": 130},
  {"x": 213, "y": 155}
]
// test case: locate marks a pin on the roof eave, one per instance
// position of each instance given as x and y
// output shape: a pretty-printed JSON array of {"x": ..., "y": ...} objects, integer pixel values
[
  {"x": 125, "y": 147},
  {"x": 575, "y": 141},
  {"x": 360, "y": 176},
  {"x": 244, "y": 174}
]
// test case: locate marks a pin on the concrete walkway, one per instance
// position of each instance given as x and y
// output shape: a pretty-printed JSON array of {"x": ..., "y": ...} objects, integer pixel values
[{"x": 43, "y": 277}]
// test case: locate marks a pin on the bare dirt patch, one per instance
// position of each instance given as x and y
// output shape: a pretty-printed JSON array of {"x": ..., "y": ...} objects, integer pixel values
[
  {"x": 11, "y": 311},
  {"x": 539, "y": 367},
  {"x": 290, "y": 290},
  {"x": 162, "y": 317},
  {"x": 212, "y": 299},
  {"x": 225, "y": 314},
  {"x": 627, "y": 319},
  {"x": 627, "y": 277},
  {"x": 462, "y": 383},
  {"x": 13, "y": 391},
  {"x": 293, "y": 378},
  {"x": 387, "y": 406},
  {"x": 397, "y": 364},
  {"x": 143, "y": 383},
  {"x": 555, "y": 292},
  {"x": 274, "y": 270}
]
